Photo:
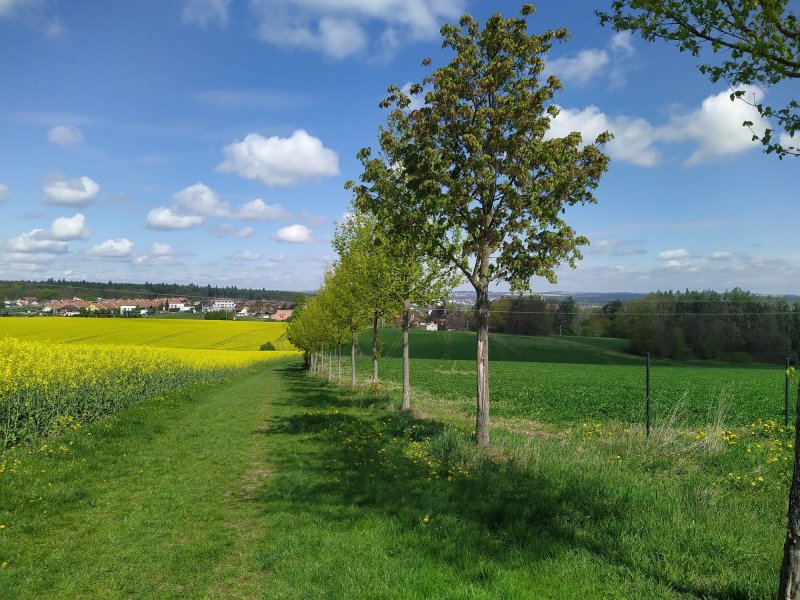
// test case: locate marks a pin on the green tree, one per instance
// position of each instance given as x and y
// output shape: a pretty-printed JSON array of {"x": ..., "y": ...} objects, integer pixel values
[
  {"x": 410, "y": 277},
  {"x": 758, "y": 42},
  {"x": 488, "y": 186}
]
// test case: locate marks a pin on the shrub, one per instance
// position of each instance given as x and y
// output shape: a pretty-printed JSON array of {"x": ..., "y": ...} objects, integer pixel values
[{"x": 268, "y": 346}]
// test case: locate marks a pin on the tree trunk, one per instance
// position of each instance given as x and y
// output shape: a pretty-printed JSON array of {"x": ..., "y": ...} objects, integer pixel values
[
  {"x": 790, "y": 569},
  {"x": 406, "y": 380},
  {"x": 375, "y": 349},
  {"x": 482, "y": 365},
  {"x": 339, "y": 363},
  {"x": 353, "y": 358},
  {"x": 330, "y": 365}
]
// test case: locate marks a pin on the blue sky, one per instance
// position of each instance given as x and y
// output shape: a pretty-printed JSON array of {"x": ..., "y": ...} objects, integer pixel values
[{"x": 208, "y": 141}]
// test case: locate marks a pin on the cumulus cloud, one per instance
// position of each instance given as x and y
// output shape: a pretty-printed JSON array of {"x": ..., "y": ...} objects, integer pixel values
[
  {"x": 246, "y": 256},
  {"x": 118, "y": 248},
  {"x": 581, "y": 68},
  {"x": 340, "y": 30},
  {"x": 633, "y": 138},
  {"x": 592, "y": 63},
  {"x": 159, "y": 249},
  {"x": 204, "y": 12},
  {"x": 3, "y": 193},
  {"x": 199, "y": 199},
  {"x": 294, "y": 234},
  {"x": 717, "y": 126},
  {"x": 71, "y": 192},
  {"x": 277, "y": 161},
  {"x": 259, "y": 210},
  {"x": 65, "y": 135},
  {"x": 34, "y": 243},
  {"x": 228, "y": 230},
  {"x": 165, "y": 218},
  {"x": 67, "y": 229}
]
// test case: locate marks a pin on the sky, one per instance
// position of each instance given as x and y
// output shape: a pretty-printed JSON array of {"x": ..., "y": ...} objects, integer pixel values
[{"x": 208, "y": 142}]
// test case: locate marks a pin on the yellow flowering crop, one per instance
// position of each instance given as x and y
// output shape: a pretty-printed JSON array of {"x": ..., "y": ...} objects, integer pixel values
[{"x": 47, "y": 387}]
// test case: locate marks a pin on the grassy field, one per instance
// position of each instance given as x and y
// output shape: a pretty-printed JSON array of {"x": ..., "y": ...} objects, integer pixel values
[
  {"x": 163, "y": 333},
  {"x": 568, "y": 380},
  {"x": 277, "y": 485}
]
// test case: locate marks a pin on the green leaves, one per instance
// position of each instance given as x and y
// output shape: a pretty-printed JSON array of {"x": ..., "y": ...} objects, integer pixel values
[{"x": 759, "y": 43}]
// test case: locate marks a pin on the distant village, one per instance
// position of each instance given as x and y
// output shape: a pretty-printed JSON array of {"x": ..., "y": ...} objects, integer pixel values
[{"x": 141, "y": 307}]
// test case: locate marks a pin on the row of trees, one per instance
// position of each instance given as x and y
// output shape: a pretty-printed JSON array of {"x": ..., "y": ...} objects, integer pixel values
[{"x": 471, "y": 178}]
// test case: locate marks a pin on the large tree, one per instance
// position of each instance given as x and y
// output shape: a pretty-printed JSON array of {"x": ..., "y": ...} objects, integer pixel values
[
  {"x": 758, "y": 42},
  {"x": 487, "y": 186}
]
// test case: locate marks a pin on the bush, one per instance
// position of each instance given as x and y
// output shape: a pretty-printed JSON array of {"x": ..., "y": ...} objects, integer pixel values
[{"x": 268, "y": 346}]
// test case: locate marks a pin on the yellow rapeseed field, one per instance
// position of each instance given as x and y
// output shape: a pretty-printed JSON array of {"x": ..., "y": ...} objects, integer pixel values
[
  {"x": 46, "y": 387},
  {"x": 163, "y": 333}
]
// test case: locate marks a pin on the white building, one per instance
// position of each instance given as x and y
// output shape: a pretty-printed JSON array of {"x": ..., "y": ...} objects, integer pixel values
[{"x": 223, "y": 304}]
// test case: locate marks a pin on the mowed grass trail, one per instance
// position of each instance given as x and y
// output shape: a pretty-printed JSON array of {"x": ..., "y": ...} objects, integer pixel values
[
  {"x": 156, "y": 502},
  {"x": 278, "y": 485}
]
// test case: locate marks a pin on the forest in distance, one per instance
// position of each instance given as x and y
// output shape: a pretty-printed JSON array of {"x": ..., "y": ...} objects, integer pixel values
[{"x": 735, "y": 326}]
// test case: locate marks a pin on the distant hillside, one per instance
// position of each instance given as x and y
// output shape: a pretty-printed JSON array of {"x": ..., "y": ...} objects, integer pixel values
[
  {"x": 460, "y": 345},
  {"x": 53, "y": 288}
]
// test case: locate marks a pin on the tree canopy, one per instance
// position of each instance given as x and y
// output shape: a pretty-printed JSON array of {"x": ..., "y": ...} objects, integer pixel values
[
  {"x": 487, "y": 186},
  {"x": 758, "y": 42}
]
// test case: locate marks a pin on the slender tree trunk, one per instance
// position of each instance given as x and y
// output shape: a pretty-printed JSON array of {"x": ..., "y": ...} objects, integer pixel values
[
  {"x": 375, "y": 349},
  {"x": 353, "y": 358},
  {"x": 339, "y": 362},
  {"x": 406, "y": 380},
  {"x": 482, "y": 365},
  {"x": 330, "y": 365},
  {"x": 790, "y": 569}
]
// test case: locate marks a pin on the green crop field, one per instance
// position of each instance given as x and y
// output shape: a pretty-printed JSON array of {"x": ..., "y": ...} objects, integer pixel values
[
  {"x": 164, "y": 333},
  {"x": 572, "y": 379}
]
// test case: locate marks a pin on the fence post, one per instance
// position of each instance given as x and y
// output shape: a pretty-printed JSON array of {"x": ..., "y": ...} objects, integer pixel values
[
  {"x": 786, "y": 397},
  {"x": 647, "y": 395}
]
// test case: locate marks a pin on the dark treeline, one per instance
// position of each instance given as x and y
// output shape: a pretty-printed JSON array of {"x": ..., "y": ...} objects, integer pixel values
[
  {"x": 734, "y": 326},
  {"x": 89, "y": 290}
]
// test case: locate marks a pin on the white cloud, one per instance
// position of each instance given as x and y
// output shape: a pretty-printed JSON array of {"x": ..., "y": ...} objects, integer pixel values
[
  {"x": 65, "y": 135},
  {"x": 633, "y": 138},
  {"x": 71, "y": 192},
  {"x": 204, "y": 12},
  {"x": 199, "y": 199},
  {"x": 721, "y": 256},
  {"x": 676, "y": 254},
  {"x": 228, "y": 230},
  {"x": 68, "y": 228},
  {"x": 246, "y": 256},
  {"x": 32, "y": 243},
  {"x": 119, "y": 248},
  {"x": 341, "y": 29},
  {"x": 164, "y": 218},
  {"x": 259, "y": 210},
  {"x": 621, "y": 43},
  {"x": 581, "y": 68},
  {"x": 3, "y": 193},
  {"x": 717, "y": 126},
  {"x": 277, "y": 161},
  {"x": 310, "y": 219},
  {"x": 159, "y": 249},
  {"x": 294, "y": 234}
]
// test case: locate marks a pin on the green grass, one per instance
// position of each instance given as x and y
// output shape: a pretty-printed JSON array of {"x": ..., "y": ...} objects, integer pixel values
[
  {"x": 460, "y": 345},
  {"x": 278, "y": 485},
  {"x": 573, "y": 379}
]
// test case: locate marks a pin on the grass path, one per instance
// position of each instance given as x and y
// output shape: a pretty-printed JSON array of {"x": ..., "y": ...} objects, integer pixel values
[
  {"x": 276, "y": 485},
  {"x": 155, "y": 502}
]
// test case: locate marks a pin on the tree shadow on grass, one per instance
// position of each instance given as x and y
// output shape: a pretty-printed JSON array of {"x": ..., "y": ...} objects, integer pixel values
[{"x": 477, "y": 519}]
